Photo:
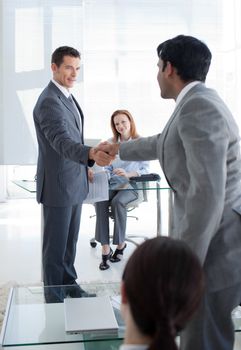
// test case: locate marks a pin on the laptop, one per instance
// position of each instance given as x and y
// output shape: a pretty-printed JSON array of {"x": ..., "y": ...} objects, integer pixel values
[{"x": 85, "y": 315}]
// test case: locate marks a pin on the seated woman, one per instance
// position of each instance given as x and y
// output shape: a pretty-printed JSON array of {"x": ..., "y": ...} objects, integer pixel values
[
  {"x": 124, "y": 130},
  {"x": 162, "y": 286}
]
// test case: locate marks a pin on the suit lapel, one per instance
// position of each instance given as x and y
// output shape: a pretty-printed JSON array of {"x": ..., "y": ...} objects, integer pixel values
[
  {"x": 165, "y": 133},
  {"x": 80, "y": 111},
  {"x": 70, "y": 107},
  {"x": 81, "y": 117},
  {"x": 175, "y": 115}
]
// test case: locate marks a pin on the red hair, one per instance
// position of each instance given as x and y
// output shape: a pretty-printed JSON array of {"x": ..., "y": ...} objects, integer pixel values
[{"x": 116, "y": 135}]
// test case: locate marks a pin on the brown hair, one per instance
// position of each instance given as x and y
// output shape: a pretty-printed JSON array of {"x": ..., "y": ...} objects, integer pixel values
[
  {"x": 62, "y": 51},
  {"x": 164, "y": 283},
  {"x": 133, "y": 132}
]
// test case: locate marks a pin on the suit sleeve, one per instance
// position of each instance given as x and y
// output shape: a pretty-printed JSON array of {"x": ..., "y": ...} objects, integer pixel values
[
  {"x": 143, "y": 148},
  {"x": 52, "y": 121},
  {"x": 205, "y": 137}
]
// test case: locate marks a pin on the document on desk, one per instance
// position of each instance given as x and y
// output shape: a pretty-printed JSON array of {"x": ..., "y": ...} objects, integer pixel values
[{"x": 98, "y": 189}]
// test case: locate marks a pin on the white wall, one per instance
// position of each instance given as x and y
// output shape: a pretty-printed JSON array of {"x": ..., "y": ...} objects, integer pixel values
[{"x": 3, "y": 190}]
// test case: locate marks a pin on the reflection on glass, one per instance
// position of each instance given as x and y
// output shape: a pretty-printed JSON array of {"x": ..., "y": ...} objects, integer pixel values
[
  {"x": 29, "y": 39},
  {"x": 27, "y": 99}
]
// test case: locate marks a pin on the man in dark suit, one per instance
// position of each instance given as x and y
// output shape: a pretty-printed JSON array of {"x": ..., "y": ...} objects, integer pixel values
[
  {"x": 62, "y": 180},
  {"x": 199, "y": 152}
]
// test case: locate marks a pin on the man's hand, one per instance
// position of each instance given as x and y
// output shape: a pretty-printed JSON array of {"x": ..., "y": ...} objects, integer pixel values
[
  {"x": 100, "y": 157},
  {"x": 110, "y": 148}
]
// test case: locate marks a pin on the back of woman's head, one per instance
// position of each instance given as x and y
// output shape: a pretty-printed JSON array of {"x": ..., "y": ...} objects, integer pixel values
[{"x": 163, "y": 283}]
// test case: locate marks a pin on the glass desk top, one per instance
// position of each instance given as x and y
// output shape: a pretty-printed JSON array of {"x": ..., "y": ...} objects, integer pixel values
[
  {"x": 30, "y": 185},
  {"x": 145, "y": 187},
  {"x": 30, "y": 320},
  {"x": 236, "y": 316}
]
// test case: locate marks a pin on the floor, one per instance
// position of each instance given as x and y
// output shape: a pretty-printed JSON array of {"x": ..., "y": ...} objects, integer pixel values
[
  {"x": 20, "y": 252},
  {"x": 20, "y": 248},
  {"x": 20, "y": 243}
]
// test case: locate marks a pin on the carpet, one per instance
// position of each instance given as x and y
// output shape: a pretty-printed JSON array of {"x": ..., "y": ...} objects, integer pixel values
[{"x": 4, "y": 292}]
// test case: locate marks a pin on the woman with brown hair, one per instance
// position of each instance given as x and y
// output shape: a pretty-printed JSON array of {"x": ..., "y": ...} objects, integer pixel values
[
  {"x": 162, "y": 286},
  {"x": 124, "y": 130}
]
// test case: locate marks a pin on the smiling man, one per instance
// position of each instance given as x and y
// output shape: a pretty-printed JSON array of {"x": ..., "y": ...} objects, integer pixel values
[{"x": 62, "y": 182}]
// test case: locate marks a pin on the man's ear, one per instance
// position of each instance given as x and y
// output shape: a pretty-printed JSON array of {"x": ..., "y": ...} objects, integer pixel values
[
  {"x": 54, "y": 67},
  {"x": 123, "y": 293},
  {"x": 169, "y": 68}
]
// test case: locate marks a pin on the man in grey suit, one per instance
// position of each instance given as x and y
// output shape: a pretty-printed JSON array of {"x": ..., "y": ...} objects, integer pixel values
[
  {"x": 62, "y": 180},
  {"x": 199, "y": 153}
]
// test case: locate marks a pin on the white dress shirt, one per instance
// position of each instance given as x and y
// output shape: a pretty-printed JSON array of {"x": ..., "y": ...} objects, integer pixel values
[
  {"x": 67, "y": 94},
  {"x": 140, "y": 167},
  {"x": 185, "y": 90}
]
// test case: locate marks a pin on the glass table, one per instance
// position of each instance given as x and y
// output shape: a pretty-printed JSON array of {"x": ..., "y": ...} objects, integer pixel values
[
  {"x": 236, "y": 316},
  {"x": 27, "y": 185},
  {"x": 30, "y": 320},
  {"x": 145, "y": 186}
]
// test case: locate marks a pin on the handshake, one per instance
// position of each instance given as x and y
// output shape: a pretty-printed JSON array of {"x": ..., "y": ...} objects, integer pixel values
[{"x": 104, "y": 153}]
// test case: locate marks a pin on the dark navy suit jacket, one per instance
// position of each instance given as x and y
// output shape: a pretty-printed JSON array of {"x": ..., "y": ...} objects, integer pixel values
[{"x": 63, "y": 158}]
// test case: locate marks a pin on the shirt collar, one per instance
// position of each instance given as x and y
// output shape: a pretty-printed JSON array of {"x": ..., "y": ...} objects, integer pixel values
[
  {"x": 124, "y": 140},
  {"x": 61, "y": 88},
  {"x": 185, "y": 90}
]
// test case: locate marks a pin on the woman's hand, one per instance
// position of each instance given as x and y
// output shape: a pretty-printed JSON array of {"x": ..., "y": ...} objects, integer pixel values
[
  {"x": 120, "y": 172},
  {"x": 90, "y": 175}
]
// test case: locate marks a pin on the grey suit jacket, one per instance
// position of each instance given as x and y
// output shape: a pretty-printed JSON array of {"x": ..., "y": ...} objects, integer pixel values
[
  {"x": 62, "y": 159},
  {"x": 199, "y": 153}
]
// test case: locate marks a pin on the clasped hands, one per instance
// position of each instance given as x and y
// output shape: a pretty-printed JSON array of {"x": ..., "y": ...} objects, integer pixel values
[{"x": 104, "y": 153}]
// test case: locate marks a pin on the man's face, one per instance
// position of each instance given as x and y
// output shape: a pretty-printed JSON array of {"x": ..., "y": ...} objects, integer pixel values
[
  {"x": 161, "y": 77},
  {"x": 165, "y": 79},
  {"x": 66, "y": 74}
]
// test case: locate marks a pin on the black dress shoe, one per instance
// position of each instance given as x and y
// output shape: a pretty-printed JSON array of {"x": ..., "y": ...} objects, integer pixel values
[
  {"x": 118, "y": 254},
  {"x": 105, "y": 257},
  {"x": 54, "y": 294},
  {"x": 76, "y": 291}
]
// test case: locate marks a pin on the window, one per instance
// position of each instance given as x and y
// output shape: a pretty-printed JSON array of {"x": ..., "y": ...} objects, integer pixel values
[{"x": 118, "y": 41}]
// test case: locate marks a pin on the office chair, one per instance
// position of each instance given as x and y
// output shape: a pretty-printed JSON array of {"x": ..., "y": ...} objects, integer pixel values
[{"x": 142, "y": 183}]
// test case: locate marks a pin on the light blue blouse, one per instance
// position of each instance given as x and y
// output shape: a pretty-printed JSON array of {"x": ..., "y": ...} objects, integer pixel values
[{"x": 141, "y": 167}]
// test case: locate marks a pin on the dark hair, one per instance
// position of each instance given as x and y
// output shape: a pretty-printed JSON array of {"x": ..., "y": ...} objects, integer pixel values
[
  {"x": 190, "y": 56},
  {"x": 133, "y": 132},
  {"x": 60, "y": 52},
  {"x": 164, "y": 283}
]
